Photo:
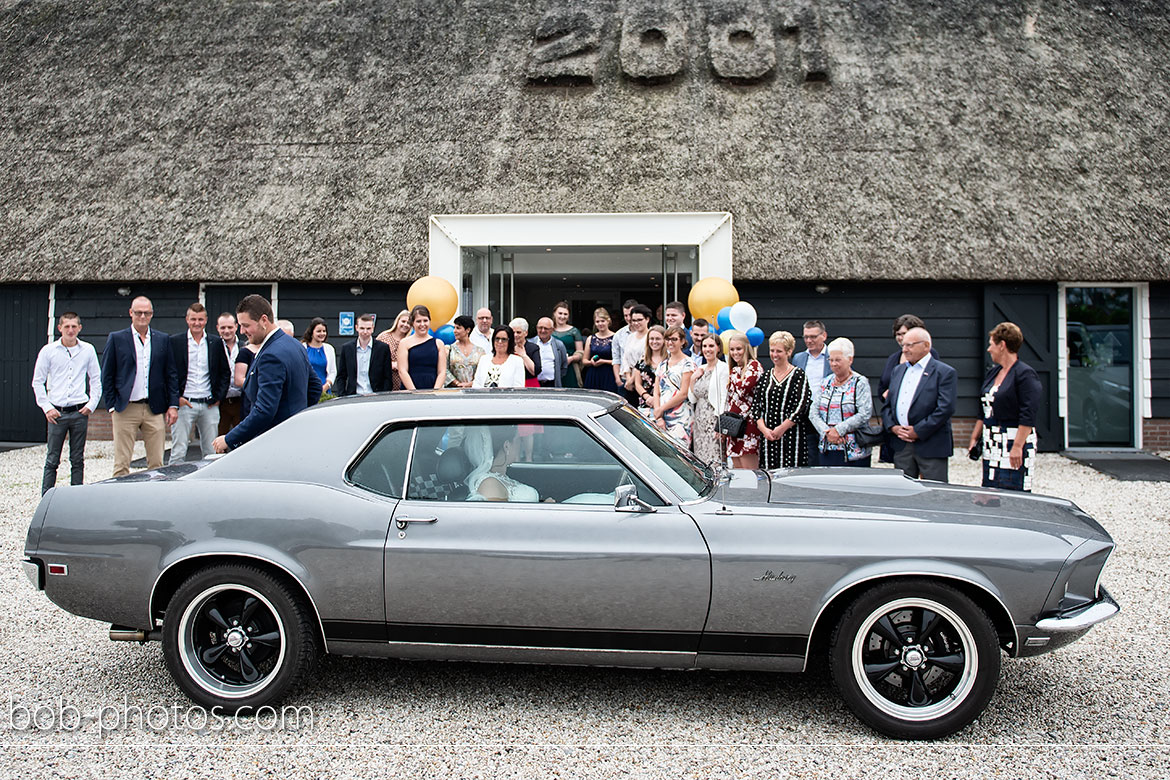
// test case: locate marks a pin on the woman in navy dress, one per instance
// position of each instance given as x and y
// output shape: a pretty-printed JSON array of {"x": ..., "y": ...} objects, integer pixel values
[
  {"x": 422, "y": 362},
  {"x": 599, "y": 354}
]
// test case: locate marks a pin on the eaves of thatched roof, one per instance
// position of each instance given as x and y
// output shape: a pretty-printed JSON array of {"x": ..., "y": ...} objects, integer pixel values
[{"x": 311, "y": 140}]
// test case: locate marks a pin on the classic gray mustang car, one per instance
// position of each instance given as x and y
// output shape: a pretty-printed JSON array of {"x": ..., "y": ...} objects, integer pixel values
[{"x": 553, "y": 526}]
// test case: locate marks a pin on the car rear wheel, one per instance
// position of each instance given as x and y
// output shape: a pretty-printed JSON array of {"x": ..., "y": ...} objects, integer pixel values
[
  {"x": 235, "y": 637},
  {"x": 915, "y": 660}
]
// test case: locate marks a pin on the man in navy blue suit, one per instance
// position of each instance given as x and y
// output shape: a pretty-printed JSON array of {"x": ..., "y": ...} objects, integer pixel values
[
  {"x": 139, "y": 387},
  {"x": 280, "y": 380},
  {"x": 919, "y": 408}
]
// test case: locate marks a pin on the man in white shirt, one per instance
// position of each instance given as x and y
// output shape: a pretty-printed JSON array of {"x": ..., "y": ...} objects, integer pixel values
[
  {"x": 59, "y": 387},
  {"x": 482, "y": 335},
  {"x": 634, "y": 349},
  {"x": 554, "y": 358},
  {"x": 201, "y": 366},
  {"x": 619, "y": 339},
  {"x": 363, "y": 364},
  {"x": 814, "y": 362},
  {"x": 229, "y": 407}
]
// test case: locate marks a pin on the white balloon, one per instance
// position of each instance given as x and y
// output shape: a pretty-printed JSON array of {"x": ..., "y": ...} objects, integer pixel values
[{"x": 743, "y": 316}]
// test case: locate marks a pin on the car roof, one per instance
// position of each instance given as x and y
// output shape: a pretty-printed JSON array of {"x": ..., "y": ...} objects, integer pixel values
[{"x": 487, "y": 401}]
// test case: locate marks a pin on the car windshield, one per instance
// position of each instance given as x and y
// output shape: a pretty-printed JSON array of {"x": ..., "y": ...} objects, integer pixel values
[{"x": 683, "y": 473}]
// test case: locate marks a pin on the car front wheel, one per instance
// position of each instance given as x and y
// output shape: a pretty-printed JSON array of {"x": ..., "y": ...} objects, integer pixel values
[
  {"x": 237, "y": 638},
  {"x": 915, "y": 659}
]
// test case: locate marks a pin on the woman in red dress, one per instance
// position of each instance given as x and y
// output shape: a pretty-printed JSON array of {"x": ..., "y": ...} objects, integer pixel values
[{"x": 744, "y": 374}]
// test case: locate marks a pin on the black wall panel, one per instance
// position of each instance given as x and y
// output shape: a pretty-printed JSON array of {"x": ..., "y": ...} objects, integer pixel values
[
  {"x": 301, "y": 302},
  {"x": 1160, "y": 349},
  {"x": 103, "y": 310},
  {"x": 1034, "y": 308},
  {"x": 24, "y": 313},
  {"x": 864, "y": 314}
]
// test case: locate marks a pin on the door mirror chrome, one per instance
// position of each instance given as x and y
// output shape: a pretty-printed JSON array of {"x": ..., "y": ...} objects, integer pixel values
[{"x": 626, "y": 500}]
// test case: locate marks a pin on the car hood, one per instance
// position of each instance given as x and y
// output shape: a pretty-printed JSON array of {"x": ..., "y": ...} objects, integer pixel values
[{"x": 886, "y": 492}]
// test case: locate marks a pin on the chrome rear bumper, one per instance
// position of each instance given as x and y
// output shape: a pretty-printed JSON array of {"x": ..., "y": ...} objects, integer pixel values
[{"x": 32, "y": 570}]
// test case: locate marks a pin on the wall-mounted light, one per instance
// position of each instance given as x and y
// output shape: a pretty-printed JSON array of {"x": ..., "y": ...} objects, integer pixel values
[
  {"x": 822, "y": 288},
  {"x": 123, "y": 291},
  {"x": 356, "y": 290}
]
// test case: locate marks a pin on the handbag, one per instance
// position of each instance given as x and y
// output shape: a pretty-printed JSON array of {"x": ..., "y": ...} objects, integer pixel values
[
  {"x": 869, "y": 435},
  {"x": 731, "y": 424}
]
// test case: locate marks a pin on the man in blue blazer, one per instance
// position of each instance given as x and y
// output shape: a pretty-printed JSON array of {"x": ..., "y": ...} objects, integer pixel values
[
  {"x": 280, "y": 380},
  {"x": 919, "y": 408},
  {"x": 139, "y": 387}
]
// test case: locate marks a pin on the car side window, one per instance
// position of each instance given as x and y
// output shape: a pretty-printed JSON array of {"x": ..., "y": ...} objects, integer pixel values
[
  {"x": 518, "y": 462},
  {"x": 382, "y": 468}
]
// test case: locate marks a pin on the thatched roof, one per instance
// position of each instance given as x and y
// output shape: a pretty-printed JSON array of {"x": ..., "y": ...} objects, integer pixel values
[{"x": 311, "y": 140}]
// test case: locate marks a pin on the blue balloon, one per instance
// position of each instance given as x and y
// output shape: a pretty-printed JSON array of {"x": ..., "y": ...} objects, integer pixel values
[
  {"x": 755, "y": 336},
  {"x": 446, "y": 334},
  {"x": 724, "y": 318}
]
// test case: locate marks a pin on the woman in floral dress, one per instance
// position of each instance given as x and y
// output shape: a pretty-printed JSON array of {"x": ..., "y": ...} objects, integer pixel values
[
  {"x": 708, "y": 399},
  {"x": 392, "y": 337},
  {"x": 743, "y": 377},
  {"x": 672, "y": 408},
  {"x": 462, "y": 356}
]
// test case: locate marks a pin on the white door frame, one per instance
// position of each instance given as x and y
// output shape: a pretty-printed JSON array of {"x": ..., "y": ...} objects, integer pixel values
[
  {"x": 709, "y": 231},
  {"x": 1142, "y": 385}
]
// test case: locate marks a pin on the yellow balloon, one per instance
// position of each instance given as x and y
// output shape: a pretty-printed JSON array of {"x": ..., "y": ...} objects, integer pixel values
[
  {"x": 725, "y": 337},
  {"x": 438, "y": 295},
  {"x": 710, "y": 295}
]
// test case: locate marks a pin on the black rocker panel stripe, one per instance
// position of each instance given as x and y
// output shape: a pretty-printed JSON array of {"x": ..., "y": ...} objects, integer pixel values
[{"x": 585, "y": 639}]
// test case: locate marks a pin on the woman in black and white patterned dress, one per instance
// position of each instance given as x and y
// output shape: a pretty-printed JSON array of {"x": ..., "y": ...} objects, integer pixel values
[
  {"x": 781, "y": 408},
  {"x": 1011, "y": 403}
]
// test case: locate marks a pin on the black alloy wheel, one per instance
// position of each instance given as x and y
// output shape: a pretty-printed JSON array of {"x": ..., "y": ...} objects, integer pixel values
[
  {"x": 235, "y": 637},
  {"x": 915, "y": 659}
]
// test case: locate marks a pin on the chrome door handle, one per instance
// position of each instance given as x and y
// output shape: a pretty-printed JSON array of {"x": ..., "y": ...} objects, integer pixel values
[{"x": 402, "y": 522}]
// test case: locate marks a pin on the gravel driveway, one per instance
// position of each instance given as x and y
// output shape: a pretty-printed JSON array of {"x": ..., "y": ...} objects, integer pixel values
[{"x": 77, "y": 705}]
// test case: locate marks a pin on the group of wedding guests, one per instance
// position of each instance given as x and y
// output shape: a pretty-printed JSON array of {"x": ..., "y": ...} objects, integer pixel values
[{"x": 809, "y": 408}]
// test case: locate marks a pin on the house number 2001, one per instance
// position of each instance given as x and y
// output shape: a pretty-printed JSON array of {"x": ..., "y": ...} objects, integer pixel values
[{"x": 741, "y": 44}]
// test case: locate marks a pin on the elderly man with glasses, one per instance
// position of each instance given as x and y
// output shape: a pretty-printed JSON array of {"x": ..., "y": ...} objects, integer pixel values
[
  {"x": 919, "y": 408},
  {"x": 140, "y": 387}
]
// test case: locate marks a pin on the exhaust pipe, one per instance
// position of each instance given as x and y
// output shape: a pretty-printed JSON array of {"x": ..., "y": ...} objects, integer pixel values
[{"x": 124, "y": 634}]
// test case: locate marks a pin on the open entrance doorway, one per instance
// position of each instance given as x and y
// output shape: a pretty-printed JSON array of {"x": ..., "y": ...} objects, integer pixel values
[{"x": 528, "y": 281}]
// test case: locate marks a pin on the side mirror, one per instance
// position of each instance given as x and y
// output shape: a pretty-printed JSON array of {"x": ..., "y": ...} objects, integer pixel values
[{"x": 626, "y": 500}]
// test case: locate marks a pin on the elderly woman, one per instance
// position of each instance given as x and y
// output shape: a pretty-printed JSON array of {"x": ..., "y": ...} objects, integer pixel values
[
  {"x": 708, "y": 397},
  {"x": 1011, "y": 403},
  {"x": 502, "y": 368},
  {"x": 842, "y": 404},
  {"x": 781, "y": 406}
]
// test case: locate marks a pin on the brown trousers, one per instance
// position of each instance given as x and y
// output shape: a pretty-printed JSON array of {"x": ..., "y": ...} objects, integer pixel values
[{"x": 126, "y": 425}]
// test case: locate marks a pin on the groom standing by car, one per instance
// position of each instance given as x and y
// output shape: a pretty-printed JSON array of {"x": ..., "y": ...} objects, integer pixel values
[{"x": 280, "y": 380}]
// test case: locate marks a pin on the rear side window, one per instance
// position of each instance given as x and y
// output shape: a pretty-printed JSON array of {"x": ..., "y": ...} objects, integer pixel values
[{"x": 382, "y": 469}]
